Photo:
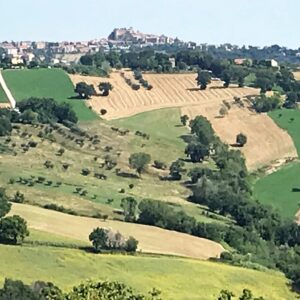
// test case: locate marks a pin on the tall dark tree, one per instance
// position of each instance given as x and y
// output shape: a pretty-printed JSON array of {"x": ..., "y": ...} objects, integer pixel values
[
  {"x": 105, "y": 87},
  {"x": 203, "y": 79},
  {"x": 84, "y": 90},
  {"x": 129, "y": 206}
]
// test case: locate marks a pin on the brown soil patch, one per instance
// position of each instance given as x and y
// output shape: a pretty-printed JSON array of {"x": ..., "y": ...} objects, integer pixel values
[
  {"x": 169, "y": 90},
  {"x": 266, "y": 141},
  {"x": 151, "y": 239}
]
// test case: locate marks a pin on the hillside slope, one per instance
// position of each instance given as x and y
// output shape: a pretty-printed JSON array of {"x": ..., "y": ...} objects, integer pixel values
[
  {"x": 47, "y": 83},
  {"x": 178, "y": 279},
  {"x": 266, "y": 141},
  {"x": 151, "y": 239}
]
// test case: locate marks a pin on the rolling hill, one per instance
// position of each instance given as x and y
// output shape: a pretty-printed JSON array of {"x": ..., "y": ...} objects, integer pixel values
[{"x": 47, "y": 83}]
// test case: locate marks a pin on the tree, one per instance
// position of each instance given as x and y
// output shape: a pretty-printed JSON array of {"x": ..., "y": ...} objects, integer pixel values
[
  {"x": 4, "y": 204},
  {"x": 226, "y": 77},
  {"x": 223, "y": 111},
  {"x": 176, "y": 168},
  {"x": 16, "y": 289},
  {"x": 196, "y": 151},
  {"x": 105, "y": 87},
  {"x": 139, "y": 161},
  {"x": 129, "y": 206},
  {"x": 184, "y": 119},
  {"x": 13, "y": 230},
  {"x": 203, "y": 129},
  {"x": 99, "y": 238},
  {"x": 203, "y": 79},
  {"x": 84, "y": 90},
  {"x": 131, "y": 244},
  {"x": 18, "y": 197},
  {"x": 225, "y": 295},
  {"x": 5, "y": 126},
  {"x": 241, "y": 139}
]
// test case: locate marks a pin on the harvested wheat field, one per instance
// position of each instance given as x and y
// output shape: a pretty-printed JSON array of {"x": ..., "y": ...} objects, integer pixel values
[
  {"x": 266, "y": 142},
  {"x": 169, "y": 90},
  {"x": 151, "y": 239}
]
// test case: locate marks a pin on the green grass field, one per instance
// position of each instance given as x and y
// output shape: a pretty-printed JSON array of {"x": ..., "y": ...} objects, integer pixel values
[
  {"x": 48, "y": 83},
  {"x": 3, "y": 98},
  {"x": 289, "y": 119},
  {"x": 165, "y": 130},
  {"x": 276, "y": 190},
  {"x": 177, "y": 278}
]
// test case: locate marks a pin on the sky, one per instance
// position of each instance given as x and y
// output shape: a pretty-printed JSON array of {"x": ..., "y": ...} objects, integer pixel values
[{"x": 240, "y": 22}]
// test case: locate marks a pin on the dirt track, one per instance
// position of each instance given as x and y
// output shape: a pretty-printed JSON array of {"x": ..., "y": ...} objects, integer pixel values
[{"x": 151, "y": 239}]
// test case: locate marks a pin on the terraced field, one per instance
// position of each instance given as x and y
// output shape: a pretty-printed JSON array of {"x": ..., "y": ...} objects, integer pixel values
[
  {"x": 266, "y": 144},
  {"x": 169, "y": 91}
]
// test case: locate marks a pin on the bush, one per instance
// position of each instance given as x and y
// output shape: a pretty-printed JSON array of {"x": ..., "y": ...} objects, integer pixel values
[
  {"x": 106, "y": 239},
  {"x": 136, "y": 87},
  {"x": 18, "y": 198},
  {"x": 13, "y": 230},
  {"x": 85, "y": 172},
  {"x": 103, "y": 111},
  {"x": 159, "y": 165}
]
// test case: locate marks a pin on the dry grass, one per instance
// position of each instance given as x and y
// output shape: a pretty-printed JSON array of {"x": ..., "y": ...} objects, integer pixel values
[
  {"x": 169, "y": 91},
  {"x": 297, "y": 75},
  {"x": 151, "y": 239},
  {"x": 266, "y": 141}
]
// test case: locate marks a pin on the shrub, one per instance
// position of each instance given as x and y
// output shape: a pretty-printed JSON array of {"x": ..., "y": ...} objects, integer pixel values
[
  {"x": 103, "y": 111},
  {"x": 18, "y": 198},
  {"x": 159, "y": 165},
  {"x": 241, "y": 139},
  {"x": 85, "y": 172},
  {"x": 13, "y": 230},
  {"x": 136, "y": 87}
]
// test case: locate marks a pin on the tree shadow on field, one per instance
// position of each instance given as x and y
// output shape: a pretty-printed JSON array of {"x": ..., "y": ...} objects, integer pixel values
[
  {"x": 193, "y": 89},
  {"x": 187, "y": 138},
  {"x": 76, "y": 98}
]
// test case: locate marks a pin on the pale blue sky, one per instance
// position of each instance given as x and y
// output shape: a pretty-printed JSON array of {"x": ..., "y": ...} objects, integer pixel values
[{"x": 255, "y": 22}]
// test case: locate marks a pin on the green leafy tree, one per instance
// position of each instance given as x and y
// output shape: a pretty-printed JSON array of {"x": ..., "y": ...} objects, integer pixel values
[
  {"x": 5, "y": 126},
  {"x": 184, "y": 119},
  {"x": 99, "y": 239},
  {"x": 203, "y": 129},
  {"x": 84, "y": 90},
  {"x": 226, "y": 77},
  {"x": 13, "y": 230},
  {"x": 139, "y": 162},
  {"x": 18, "y": 197},
  {"x": 131, "y": 244},
  {"x": 129, "y": 206},
  {"x": 196, "y": 151},
  {"x": 226, "y": 295},
  {"x": 203, "y": 79},
  {"x": 241, "y": 139},
  {"x": 4, "y": 204},
  {"x": 16, "y": 289},
  {"x": 176, "y": 168},
  {"x": 105, "y": 87}
]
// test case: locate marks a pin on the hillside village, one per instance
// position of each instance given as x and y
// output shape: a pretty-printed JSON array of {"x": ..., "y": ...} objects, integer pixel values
[{"x": 19, "y": 53}]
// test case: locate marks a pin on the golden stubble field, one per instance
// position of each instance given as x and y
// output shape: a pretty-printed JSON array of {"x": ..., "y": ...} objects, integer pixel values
[
  {"x": 267, "y": 143},
  {"x": 151, "y": 239}
]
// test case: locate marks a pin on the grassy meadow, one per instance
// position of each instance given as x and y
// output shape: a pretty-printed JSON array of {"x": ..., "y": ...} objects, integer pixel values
[
  {"x": 58, "y": 262},
  {"x": 103, "y": 195},
  {"x": 48, "y": 83},
  {"x": 277, "y": 189},
  {"x": 3, "y": 98}
]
